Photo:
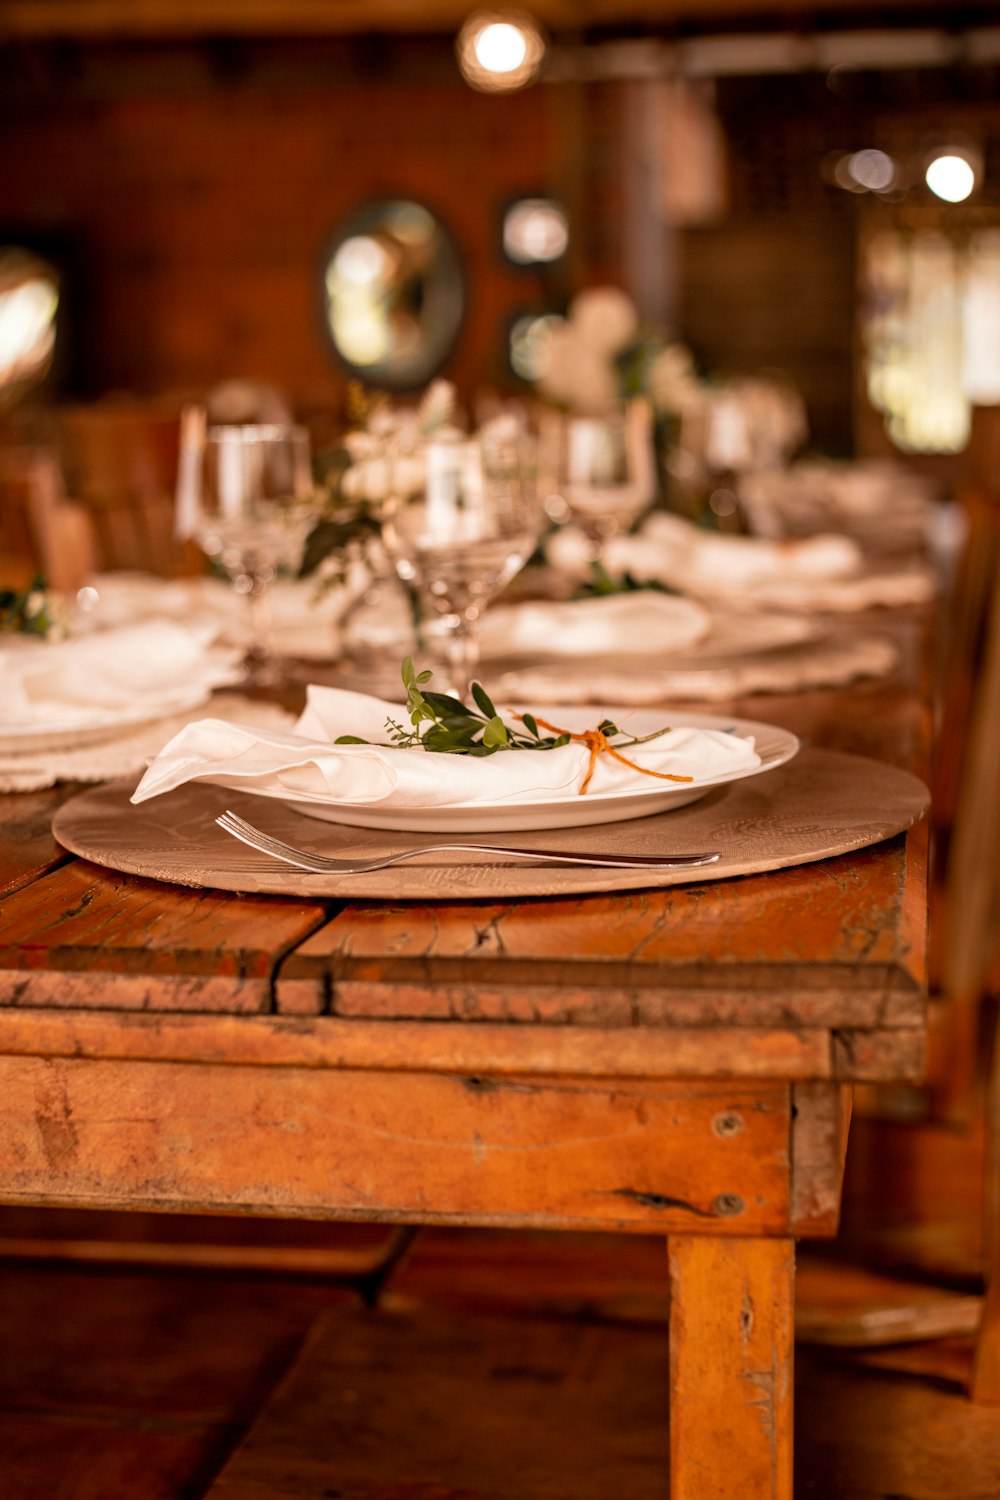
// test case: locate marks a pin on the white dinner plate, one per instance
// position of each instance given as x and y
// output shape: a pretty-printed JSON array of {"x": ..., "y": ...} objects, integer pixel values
[
  {"x": 774, "y": 745},
  {"x": 96, "y": 725}
]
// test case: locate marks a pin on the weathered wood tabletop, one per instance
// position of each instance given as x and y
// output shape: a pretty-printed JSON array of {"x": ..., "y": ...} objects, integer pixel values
[{"x": 671, "y": 1061}]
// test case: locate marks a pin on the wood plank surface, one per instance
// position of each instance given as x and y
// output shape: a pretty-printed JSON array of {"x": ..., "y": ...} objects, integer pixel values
[
  {"x": 120, "y": 1385},
  {"x": 27, "y": 848},
  {"x": 83, "y": 937},
  {"x": 476, "y": 1051},
  {"x": 731, "y": 1346},
  {"x": 838, "y": 943},
  {"x": 418, "y": 1147},
  {"x": 422, "y": 1405}
]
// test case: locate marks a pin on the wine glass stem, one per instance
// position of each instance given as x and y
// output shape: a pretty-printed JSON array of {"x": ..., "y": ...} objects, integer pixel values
[
  {"x": 459, "y": 646},
  {"x": 259, "y": 651}
]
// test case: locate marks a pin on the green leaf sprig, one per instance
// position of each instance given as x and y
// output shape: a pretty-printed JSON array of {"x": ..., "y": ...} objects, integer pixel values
[
  {"x": 601, "y": 583},
  {"x": 442, "y": 723},
  {"x": 33, "y": 611}
]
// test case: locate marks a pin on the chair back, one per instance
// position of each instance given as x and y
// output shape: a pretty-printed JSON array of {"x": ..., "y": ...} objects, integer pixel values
[
  {"x": 967, "y": 789},
  {"x": 120, "y": 463},
  {"x": 42, "y": 534}
]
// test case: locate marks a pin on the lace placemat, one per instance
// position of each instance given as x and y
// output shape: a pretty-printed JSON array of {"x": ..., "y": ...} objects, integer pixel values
[
  {"x": 826, "y": 663},
  {"x": 128, "y": 753}
]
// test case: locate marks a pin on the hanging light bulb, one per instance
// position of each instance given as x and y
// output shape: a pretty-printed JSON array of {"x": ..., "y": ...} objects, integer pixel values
[
  {"x": 500, "y": 53},
  {"x": 951, "y": 176}
]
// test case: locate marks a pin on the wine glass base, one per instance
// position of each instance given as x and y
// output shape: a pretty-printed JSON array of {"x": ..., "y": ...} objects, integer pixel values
[{"x": 259, "y": 672}]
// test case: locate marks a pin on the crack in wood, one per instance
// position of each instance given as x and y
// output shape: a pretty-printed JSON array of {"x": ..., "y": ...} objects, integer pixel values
[{"x": 660, "y": 1201}]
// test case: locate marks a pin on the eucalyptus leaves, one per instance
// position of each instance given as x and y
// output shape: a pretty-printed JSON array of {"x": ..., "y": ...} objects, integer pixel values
[{"x": 439, "y": 722}]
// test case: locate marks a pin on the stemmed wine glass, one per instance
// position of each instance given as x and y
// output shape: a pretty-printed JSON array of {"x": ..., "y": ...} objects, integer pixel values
[
  {"x": 462, "y": 517},
  {"x": 603, "y": 470},
  {"x": 249, "y": 501}
]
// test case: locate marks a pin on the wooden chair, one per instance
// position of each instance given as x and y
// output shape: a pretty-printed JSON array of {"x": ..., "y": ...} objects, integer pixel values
[
  {"x": 965, "y": 954},
  {"x": 42, "y": 534},
  {"x": 120, "y": 464}
]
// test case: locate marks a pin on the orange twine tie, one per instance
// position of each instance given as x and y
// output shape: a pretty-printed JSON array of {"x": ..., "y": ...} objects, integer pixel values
[{"x": 598, "y": 743}]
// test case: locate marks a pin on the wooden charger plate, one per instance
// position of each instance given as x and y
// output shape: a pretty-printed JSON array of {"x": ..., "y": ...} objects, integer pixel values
[{"x": 822, "y": 803}]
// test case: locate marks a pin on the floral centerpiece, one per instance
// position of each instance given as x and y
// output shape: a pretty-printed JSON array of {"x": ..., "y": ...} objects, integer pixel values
[
  {"x": 354, "y": 478},
  {"x": 705, "y": 434},
  {"x": 599, "y": 357}
]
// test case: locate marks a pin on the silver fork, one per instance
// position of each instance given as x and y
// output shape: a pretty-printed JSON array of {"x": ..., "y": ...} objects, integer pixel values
[{"x": 320, "y": 864}]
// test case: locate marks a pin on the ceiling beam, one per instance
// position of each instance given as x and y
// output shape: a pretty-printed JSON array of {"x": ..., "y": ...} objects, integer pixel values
[{"x": 151, "y": 19}]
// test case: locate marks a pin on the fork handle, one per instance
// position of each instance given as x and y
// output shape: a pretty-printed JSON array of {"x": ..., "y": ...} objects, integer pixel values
[{"x": 568, "y": 857}]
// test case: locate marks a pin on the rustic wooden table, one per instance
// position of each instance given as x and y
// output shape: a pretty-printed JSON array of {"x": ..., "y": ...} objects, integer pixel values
[{"x": 675, "y": 1061}]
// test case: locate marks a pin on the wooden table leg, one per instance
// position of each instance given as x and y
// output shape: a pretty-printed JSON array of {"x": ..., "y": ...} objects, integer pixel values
[{"x": 731, "y": 1351}]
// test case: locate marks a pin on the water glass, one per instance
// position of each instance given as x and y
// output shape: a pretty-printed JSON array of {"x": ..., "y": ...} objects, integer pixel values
[
  {"x": 250, "y": 506},
  {"x": 604, "y": 471},
  {"x": 462, "y": 518}
]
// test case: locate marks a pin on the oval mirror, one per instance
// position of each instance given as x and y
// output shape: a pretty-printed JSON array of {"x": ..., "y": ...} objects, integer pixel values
[{"x": 394, "y": 293}]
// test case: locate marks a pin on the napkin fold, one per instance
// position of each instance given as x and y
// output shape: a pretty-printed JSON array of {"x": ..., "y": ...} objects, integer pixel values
[
  {"x": 707, "y": 563},
  {"x": 84, "y": 679},
  {"x": 307, "y": 766},
  {"x": 637, "y": 624},
  {"x": 304, "y": 614},
  {"x": 816, "y": 573}
]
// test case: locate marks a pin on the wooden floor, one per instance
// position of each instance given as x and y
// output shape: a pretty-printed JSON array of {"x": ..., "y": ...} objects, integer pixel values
[{"x": 501, "y": 1367}]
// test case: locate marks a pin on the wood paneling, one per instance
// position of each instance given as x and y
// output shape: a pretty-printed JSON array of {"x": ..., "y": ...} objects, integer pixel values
[
  {"x": 778, "y": 294},
  {"x": 201, "y": 210}
]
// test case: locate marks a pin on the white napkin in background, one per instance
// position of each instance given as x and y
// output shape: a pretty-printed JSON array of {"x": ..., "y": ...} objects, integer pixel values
[
  {"x": 304, "y": 615},
  {"x": 818, "y": 573},
  {"x": 637, "y": 624},
  {"x": 308, "y": 766},
  {"x": 83, "y": 679},
  {"x": 675, "y": 552}
]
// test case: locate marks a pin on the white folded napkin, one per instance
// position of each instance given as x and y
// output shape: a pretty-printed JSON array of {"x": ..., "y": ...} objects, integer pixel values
[
  {"x": 819, "y": 573},
  {"x": 637, "y": 624},
  {"x": 85, "y": 679},
  {"x": 307, "y": 766},
  {"x": 304, "y": 615},
  {"x": 707, "y": 563}
]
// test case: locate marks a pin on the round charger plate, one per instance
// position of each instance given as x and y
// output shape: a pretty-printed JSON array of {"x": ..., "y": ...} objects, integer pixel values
[
  {"x": 823, "y": 803},
  {"x": 643, "y": 796}
]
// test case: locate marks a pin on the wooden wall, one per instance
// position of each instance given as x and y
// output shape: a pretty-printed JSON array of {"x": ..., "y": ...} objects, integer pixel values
[
  {"x": 196, "y": 187},
  {"x": 197, "y": 202}
]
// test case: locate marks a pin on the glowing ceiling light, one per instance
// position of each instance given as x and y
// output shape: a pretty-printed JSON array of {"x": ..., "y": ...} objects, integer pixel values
[
  {"x": 500, "y": 47},
  {"x": 500, "y": 53},
  {"x": 951, "y": 177}
]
